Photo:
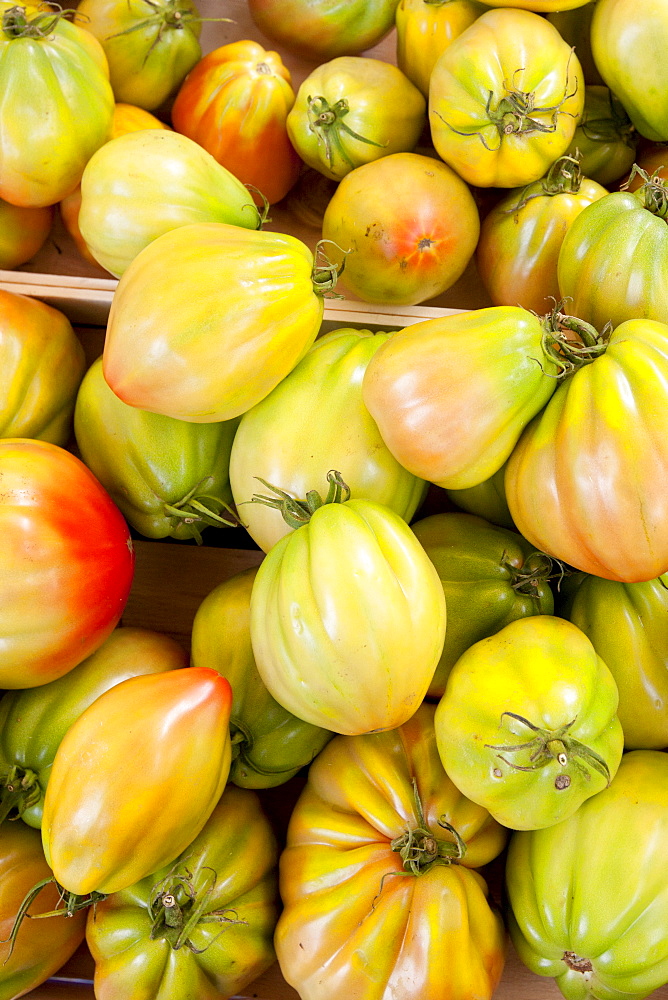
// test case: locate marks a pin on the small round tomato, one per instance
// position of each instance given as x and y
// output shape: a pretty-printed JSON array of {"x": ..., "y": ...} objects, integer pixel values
[
  {"x": 527, "y": 726},
  {"x": 505, "y": 98},
  {"x": 408, "y": 225},
  {"x": 235, "y": 103},
  {"x": 353, "y": 110},
  {"x": 67, "y": 551}
]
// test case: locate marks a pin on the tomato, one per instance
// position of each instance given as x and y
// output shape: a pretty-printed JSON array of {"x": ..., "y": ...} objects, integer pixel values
[
  {"x": 487, "y": 500},
  {"x": 127, "y": 118},
  {"x": 57, "y": 104},
  {"x": 135, "y": 778},
  {"x": 425, "y": 28},
  {"x": 652, "y": 158},
  {"x": 269, "y": 745},
  {"x": 41, "y": 946},
  {"x": 41, "y": 364},
  {"x": 424, "y": 386},
  {"x": 527, "y": 726},
  {"x": 150, "y": 45},
  {"x": 348, "y": 617},
  {"x": 409, "y": 226},
  {"x": 585, "y": 481},
  {"x": 504, "y": 99},
  {"x": 23, "y": 231},
  {"x": 67, "y": 551},
  {"x": 626, "y": 623},
  {"x": 521, "y": 236},
  {"x": 175, "y": 346},
  {"x": 377, "y": 880},
  {"x": 614, "y": 257},
  {"x": 315, "y": 420},
  {"x": 170, "y": 478},
  {"x": 322, "y": 29},
  {"x": 201, "y": 926},
  {"x": 609, "y": 861},
  {"x": 146, "y": 183},
  {"x": 490, "y": 577},
  {"x": 605, "y": 137},
  {"x": 627, "y": 44},
  {"x": 33, "y": 722},
  {"x": 235, "y": 103},
  {"x": 353, "y": 110}
]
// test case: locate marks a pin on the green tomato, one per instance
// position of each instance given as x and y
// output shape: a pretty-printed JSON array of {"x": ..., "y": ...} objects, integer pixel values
[
  {"x": 588, "y": 896},
  {"x": 169, "y": 477},
  {"x": 269, "y": 745},
  {"x": 527, "y": 725},
  {"x": 487, "y": 499},
  {"x": 490, "y": 577},
  {"x": 33, "y": 722}
]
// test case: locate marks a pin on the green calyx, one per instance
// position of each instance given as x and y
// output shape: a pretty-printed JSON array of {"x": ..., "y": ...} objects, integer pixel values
[
  {"x": 176, "y": 909},
  {"x": 298, "y": 512},
  {"x": 172, "y": 15},
  {"x": 327, "y": 272},
  {"x": 68, "y": 904},
  {"x": 653, "y": 194},
  {"x": 563, "y": 177},
  {"x": 420, "y": 849},
  {"x": 196, "y": 510},
  {"x": 17, "y": 24},
  {"x": 615, "y": 127},
  {"x": 535, "y": 572},
  {"x": 571, "y": 343},
  {"x": 549, "y": 746},
  {"x": 19, "y": 790},
  {"x": 327, "y": 122}
]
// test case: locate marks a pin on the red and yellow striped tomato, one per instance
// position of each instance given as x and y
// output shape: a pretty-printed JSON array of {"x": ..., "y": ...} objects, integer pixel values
[
  {"x": 178, "y": 345},
  {"x": 348, "y": 619},
  {"x": 42, "y": 363},
  {"x": 67, "y": 551},
  {"x": 380, "y": 899},
  {"x": 452, "y": 395},
  {"x": 505, "y": 98},
  {"x": 135, "y": 778},
  {"x": 586, "y": 481},
  {"x": 235, "y": 103},
  {"x": 57, "y": 104}
]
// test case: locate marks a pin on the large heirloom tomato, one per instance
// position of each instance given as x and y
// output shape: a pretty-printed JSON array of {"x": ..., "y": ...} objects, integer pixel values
[
  {"x": 379, "y": 896},
  {"x": 315, "y": 420},
  {"x": 490, "y": 577},
  {"x": 628, "y": 43},
  {"x": 613, "y": 263},
  {"x": 425, "y": 28},
  {"x": 135, "y": 778},
  {"x": 347, "y": 616},
  {"x": 353, "y": 110},
  {"x": 150, "y": 45},
  {"x": 170, "y": 478},
  {"x": 409, "y": 226},
  {"x": 177, "y": 345},
  {"x": 521, "y": 236},
  {"x": 628, "y": 626},
  {"x": 148, "y": 182},
  {"x": 586, "y": 481},
  {"x": 200, "y": 927},
  {"x": 322, "y": 29},
  {"x": 33, "y": 722},
  {"x": 269, "y": 744},
  {"x": 41, "y": 946},
  {"x": 452, "y": 395},
  {"x": 41, "y": 365},
  {"x": 66, "y": 551},
  {"x": 527, "y": 725},
  {"x": 22, "y": 232},
  {"x": 235, "y": 103},
  {"x": 57, "y": 104},
  {"x": 505, "y": 98},
  {"x": 588, "y": 897}
]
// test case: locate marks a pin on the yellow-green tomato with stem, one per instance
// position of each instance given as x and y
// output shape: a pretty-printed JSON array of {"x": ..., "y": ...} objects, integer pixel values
[
  {"x": 527, "y": 726},
  {"x": 313, "y": 421},
  {"x": 347, "y": 616}
]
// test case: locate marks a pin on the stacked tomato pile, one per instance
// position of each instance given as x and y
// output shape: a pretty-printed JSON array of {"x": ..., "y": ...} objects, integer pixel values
[{"x": 484, "y": 681}]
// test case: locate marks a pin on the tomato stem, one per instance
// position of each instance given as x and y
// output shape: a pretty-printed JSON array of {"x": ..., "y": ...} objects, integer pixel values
[
  {"x": 17, "y": 24},
  {"x": 177, "y": 907},
  {"x": 420, "y": 850},
  {"x": 567, "y": 352},
  {"x": 20, "y": 790},
  {"x": 653, "y": 194},
  {"x": 298, "y": 512},
  {"x": 72, "y": 904},
  {"x": 199, "y": 510}
]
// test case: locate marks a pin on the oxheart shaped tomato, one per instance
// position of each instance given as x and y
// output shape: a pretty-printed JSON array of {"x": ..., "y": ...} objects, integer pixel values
[{"x": 66, "y": 562}]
